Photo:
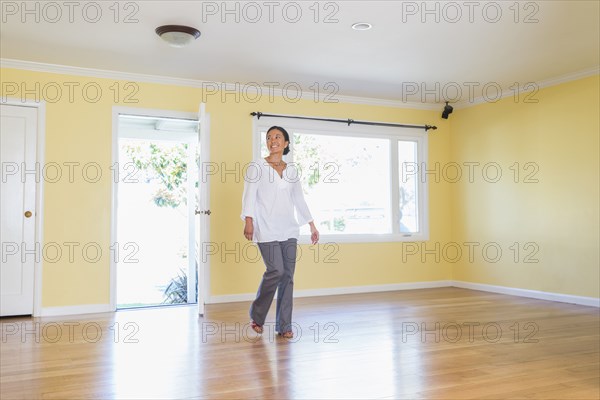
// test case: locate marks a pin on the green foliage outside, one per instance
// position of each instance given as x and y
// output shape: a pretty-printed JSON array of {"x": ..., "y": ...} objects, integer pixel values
[{"x": 167, "y": 165}]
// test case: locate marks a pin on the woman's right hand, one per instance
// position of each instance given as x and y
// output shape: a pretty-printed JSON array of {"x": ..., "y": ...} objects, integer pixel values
[{"x": 249, "y": 229}]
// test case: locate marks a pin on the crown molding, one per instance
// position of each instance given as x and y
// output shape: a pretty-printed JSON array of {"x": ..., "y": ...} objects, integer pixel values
[
  {"x": 573, "y": 76},
  {"x": 96, "y": 73},
  {"x": 194, "y": 83},
  {"x": 252, "y": 90}
]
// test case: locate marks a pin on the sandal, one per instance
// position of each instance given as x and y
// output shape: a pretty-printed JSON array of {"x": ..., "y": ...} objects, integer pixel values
[
  {"x": 256, "y": 327},
  {"x": 287, "y": 335}
]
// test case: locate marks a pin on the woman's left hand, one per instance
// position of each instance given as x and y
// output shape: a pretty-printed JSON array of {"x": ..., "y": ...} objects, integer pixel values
[{"x": 314, "y": 234}]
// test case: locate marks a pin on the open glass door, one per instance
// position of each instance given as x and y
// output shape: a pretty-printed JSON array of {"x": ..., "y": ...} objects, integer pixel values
[
  {"x": 155, "y": 201},
  {"x": 202, "y": 211}
]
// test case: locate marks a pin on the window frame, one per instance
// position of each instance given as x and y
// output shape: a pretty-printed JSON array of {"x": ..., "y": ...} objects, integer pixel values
[{"x": 394, "y": 135}]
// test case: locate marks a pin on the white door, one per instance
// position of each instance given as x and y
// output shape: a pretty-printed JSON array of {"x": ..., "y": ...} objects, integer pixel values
[
  {"x": 203, "y": 210},
  {"x": 18, "y": 133}
]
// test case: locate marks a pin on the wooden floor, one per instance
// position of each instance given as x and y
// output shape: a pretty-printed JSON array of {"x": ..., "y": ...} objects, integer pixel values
[{"x": 445, "y": 343}]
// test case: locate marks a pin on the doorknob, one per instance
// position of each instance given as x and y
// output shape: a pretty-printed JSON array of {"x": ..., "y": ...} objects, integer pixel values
[
  {"x": 28, "y": 214},
  {"x": 207, "y": 212}
]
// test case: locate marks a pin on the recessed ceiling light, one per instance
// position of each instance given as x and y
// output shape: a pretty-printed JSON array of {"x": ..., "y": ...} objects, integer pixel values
[
  {"x": 177, "y": 35},
  {"x": 362, "y": 26}
]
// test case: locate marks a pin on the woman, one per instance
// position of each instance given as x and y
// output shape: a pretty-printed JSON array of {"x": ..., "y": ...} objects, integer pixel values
[{"x": 272, "y": 191}]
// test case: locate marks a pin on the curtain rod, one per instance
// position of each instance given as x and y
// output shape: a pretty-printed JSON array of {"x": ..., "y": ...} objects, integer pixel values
[{"x": 348, "y": 121}]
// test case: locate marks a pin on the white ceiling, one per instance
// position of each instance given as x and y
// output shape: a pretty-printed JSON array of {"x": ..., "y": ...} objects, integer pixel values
[{"x": 401, "y": 55}]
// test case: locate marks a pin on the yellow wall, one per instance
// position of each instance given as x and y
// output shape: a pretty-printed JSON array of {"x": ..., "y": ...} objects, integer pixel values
[
  {"x": 359, "y": 264},
  {"x": 78, "y": 130},
  {"x": 554, "y": 220},
  {"x": 550, "y": 209}
]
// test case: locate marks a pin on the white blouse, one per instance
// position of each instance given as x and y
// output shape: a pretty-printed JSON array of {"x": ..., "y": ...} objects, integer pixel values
[{"x": 270, "y": 200}]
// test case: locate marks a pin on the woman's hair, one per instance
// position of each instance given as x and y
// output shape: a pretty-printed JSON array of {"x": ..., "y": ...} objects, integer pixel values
[{"x": 285, "y": 135}]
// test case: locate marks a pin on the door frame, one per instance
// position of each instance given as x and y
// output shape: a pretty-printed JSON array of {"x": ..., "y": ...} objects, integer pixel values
[
  {"x": 203, "y": 269},
  {"x": 40, "y": 158}
]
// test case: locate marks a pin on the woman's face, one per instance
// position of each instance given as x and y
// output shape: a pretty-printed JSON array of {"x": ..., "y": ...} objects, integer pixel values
[{"x": 276, "y": 142}]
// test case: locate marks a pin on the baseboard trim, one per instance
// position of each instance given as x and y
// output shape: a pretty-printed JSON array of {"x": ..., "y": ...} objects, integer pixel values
[
  {"x": 74, "y": 310},
  {"x": 372, "y": 288},
  {"x": 230, "y": 298},
  {"x": 535, "y": 294}
]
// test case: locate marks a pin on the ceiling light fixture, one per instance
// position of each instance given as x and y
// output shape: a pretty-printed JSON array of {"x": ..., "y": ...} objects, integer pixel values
[
  {"x": 362, "y": 26},
  {"x": 177, "y": 35},
  {"x": 447, "y": 111}
]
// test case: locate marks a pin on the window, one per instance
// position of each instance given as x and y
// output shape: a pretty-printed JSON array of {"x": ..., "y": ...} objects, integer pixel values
[{"x": 362, "y": 183}]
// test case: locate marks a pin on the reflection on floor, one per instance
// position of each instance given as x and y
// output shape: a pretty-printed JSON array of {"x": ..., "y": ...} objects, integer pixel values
[{"x": 445, "y": 343}]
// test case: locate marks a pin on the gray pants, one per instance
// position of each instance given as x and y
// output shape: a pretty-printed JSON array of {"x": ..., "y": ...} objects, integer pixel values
[{"x": 280, "y": 260}]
